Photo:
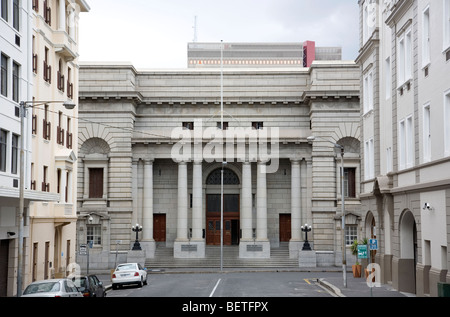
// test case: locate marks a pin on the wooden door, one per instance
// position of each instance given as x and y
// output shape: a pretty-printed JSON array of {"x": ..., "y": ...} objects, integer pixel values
[
  {"x": 213, "y": 231},
  {"x": 159, "y": 227},
  {"x": 96, "y": 183},
  {"x": 285, "y": 227}
]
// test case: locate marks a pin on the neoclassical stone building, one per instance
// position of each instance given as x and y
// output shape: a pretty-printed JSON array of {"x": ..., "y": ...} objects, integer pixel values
[{"x": 151, "y": 153}]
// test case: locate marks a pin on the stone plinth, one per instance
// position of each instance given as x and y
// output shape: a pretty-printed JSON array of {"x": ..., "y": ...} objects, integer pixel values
[
  {"x": 307, "y": 259},
  {"x": 254, "y": 250},
  {"x": 189, "y": 249},
  {"x": 136, "y": 256}
]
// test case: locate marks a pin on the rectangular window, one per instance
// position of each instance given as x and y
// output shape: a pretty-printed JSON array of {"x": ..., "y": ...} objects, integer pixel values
[
  {"x": 15, "y": 88},
  {"x": 94, "y": 234},
  {"x": 426, "y": 37},
  {"x": 351, "y": 234},
  {"x": 16, "y": 15},
  {"x": 404, "y": 58},
  {"x": 3, "y": 149},
  {"x": 369, "y": 159},
  {"x": 402, "y": 144},
  {"x": 447, "y": 122},
  {"x": 14, "y": 154},
  {"x": 5, "y": 10},
  {"x": 408, "y": 55},
  {"x": 225, "y": 125},
  {"x": 446, "y": 24},
  {"x": 4, "y": 76},
  {"x": 188, "y": 125},
  {"x": 350, "y": 182},
  {"x": 388, "y": 77},
  {"x": 368, "y": 92},
  {"x": 389, "y": 160},
  {"x": 96, "y": 183},
  {"x": 409, "y": 142},
  {"x": 426, "y": 133},
  {"x": 406, "y": 143},
  {"x": 45, "y": 185},
  {"x": 365, "y": 24},
  {"x": 257, "y": 125}
]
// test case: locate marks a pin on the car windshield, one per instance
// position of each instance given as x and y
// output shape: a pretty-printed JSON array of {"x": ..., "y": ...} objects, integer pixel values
[
  {"x": 42, "y": 288},
  {"x": 80, "y": 282},
  {"x": 126, "y": 267}
]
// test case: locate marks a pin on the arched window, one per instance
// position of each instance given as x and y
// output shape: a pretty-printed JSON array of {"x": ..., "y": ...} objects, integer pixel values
[{"x": 229, "y": 177}]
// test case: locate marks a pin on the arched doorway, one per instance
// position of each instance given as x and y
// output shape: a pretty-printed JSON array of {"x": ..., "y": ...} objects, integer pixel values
[
  {"x": 408, "y": 252},
  {"x": 371, "y": 233},
  {"x": 231, "y": 207}
]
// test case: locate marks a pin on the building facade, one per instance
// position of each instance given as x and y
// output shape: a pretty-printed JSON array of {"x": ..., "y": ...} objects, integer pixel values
[
  {"x": 16, "y": 85},
  {"x": 39, "y": 69},
  {"x": 257, "y": 55},
  {"x": 404, "y": 59},
  {"x": 55, "y": 40},
  {"x": 152, "y": 147}
]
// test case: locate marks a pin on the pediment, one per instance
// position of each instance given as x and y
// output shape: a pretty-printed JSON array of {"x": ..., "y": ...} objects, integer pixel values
[{"x": 66, "y": 155}]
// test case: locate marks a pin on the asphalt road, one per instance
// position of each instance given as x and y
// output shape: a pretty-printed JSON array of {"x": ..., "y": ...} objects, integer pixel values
[{"x": 227, "y": 285}]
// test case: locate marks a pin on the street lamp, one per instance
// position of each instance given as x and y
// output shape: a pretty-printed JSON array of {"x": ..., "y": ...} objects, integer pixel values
[
  {"x": 24, "y": 105},
  {"x": 306, "y": 229},
  {"x": 344, "y": 257},
  {"x": 137, "y": 245}
]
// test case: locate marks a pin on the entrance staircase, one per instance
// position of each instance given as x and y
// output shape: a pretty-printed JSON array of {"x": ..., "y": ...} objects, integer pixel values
[{"x": 279, "y": 258}]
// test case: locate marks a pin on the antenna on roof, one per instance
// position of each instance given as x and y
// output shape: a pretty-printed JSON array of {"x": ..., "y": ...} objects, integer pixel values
[{"x": 195, "y": 29}]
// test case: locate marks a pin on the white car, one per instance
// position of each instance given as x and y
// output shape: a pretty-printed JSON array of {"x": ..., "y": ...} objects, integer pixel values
[
  {"x": 52, "y": 288},
  {"x": 129, "y": 273}
]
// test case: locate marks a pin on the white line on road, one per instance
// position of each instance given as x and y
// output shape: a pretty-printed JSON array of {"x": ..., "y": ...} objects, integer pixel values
[{"x": 217, "y": 284}]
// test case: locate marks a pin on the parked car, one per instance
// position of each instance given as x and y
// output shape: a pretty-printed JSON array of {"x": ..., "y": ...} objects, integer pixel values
[
  {"x": 52, "y": 288},
  {"x": 90, "y": 286},
  {"x": 129, "y": 273}
]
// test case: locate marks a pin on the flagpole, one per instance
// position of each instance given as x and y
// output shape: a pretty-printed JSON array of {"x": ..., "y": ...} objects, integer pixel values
[{"x": 221, "y": 180}]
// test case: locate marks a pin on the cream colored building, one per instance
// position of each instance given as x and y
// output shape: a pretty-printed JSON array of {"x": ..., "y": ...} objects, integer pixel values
[
  {"x": 51, "y": 242},
  {"x": 405, "y": 123}
]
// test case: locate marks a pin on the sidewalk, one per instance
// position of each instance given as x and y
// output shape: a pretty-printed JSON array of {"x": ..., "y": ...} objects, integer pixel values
[{"x": 356, "y": 287}]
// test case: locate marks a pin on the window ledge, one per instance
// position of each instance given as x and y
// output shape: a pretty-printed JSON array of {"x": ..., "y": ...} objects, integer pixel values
[{"x": 405, "y": 86}]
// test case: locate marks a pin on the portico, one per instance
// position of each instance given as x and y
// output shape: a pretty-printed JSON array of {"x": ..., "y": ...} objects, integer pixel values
[{"x": 246, "y": 218}]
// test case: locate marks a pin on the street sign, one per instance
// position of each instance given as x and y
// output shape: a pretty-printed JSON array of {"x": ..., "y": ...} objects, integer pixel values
[
  {"x": 373, "y": 244},
  {"x": 83, "y": 249},
  {"x": 362, "y": 251}
]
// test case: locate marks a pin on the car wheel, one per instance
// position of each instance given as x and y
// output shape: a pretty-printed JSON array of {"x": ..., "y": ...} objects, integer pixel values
[
  {"x": 114, "y": 286},
  {"x": 141, "y": 283},
  {"x": 145, "y": 282}
]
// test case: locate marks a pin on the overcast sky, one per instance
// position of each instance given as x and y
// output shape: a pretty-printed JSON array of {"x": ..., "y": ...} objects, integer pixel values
[{"x": 155, "y": 33}]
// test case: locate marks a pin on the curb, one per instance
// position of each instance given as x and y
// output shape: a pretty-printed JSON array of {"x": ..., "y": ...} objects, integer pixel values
[{"x": 330, "y": 287}]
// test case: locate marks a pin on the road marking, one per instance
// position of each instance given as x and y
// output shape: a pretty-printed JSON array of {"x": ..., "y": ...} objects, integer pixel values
[
  {"x": 306, "y": 280},
  {"x": 217, "y": 284}
]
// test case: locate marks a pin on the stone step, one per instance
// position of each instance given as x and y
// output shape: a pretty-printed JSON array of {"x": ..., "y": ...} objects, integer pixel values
[{"x": 279, "y": 257}]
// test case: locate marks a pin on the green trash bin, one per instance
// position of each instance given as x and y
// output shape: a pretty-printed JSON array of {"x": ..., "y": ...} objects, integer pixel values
[{"x": 443, "y": 289}]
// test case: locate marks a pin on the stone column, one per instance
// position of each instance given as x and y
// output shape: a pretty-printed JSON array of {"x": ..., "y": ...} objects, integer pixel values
[
  {"x": 148, "y": 243},
  {"x": 261, "y": 247},
  {"x": 147, "y": 202},
  {"x": 295, "y": 201},
  {"x": 62, "y": 15},
  {"x": 182, "y": 231},
  {"x": 295, "y": 242},
  {"x": 246, "y": 212},
  {"x": 197, "y": 205},
  {"x": 197, "y": 243},
  {"x": 261, "y": 202}
]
